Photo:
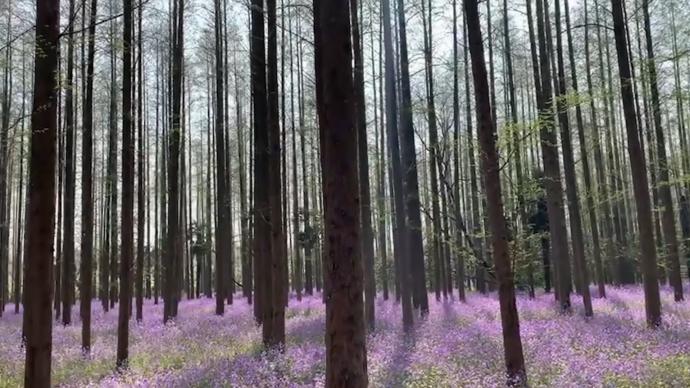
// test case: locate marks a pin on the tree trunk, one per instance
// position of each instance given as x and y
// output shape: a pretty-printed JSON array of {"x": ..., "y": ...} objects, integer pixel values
[
  {"x": 127, "y": 233},
  {"x": 5, "y": 151},
  {"x": 400, "y": 240},
  {"x": 639, "y": 173},
  {"x": 87, "y": 220},
  {"x": 410, "y": 179},
  {"x": 433, "y": 150},
  {"x": 173, "y": 240},
  {"x": 68, "y": 238},
  {"x": 19, "y": 242},
  {"x": 40, "y": 226},
  {"x": 141, "y": 200},
  {"x": 363, "y": 160},
  {"x": 570, "y": 174},
  {"x": 589, "y": 189},
  {"x": 512, "y": 344},
  {"x": 552, "y": 171},
  {"x": 262, "y": 222},
  {"x": 274, "y": 333},
  {"x": 346, "y": 357},
  {"x": 667, "y": 219},
  {"x": 480, "y": 270},
  {"x": 456, "y": 161},
  {"x": 221, "y": 193}
]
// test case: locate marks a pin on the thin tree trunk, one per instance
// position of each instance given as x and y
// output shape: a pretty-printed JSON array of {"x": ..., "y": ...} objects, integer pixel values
[
  {"x": 141, "y": 200},
  {"x": 127, "y": 233},
  {"x": 433, "y": 150},
  {"x": 512, "y": 344},
  {"x": 221, "y": 194},
  {"x": 456, "y": 160},
  {"x": 589, "y": 189},
  {"x": 87, "y": 189}
]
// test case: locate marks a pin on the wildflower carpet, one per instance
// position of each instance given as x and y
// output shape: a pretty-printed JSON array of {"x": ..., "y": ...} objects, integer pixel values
[{"x": 458, "y": 345}]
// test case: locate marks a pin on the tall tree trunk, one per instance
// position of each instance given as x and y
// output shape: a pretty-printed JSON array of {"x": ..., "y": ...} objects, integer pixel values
[
  {"x": 127, "y": 232},
  {"x": 512, "y": 344},
  {"x": 40, "y": 227},
  {"x": 367, "y": 233},
  {"x": 400, "y": 241},
  {"x": 410, "y": 179},
  {"x": 298, "y": 243},
  {"x": 539, "y": 97},
  {"x": 87, "y": 220},
  {"x": 221, "y": 193},
  {"x": 552, "y": 171},
  {"x": 262, "y": 221},
  {"x": 19, "y": 242},
  {"x": 309, "y": 235},
  {"x": 274, "y": 333},
  {"x": 515, "y": 132},
  {"x": 346, "y": 355},
  {"x": 68, "y": 238},
  {"x": 589, "y": 189},
  {"x": 141, "y": 200},
  {"x": 602, "y": 189},
  {"x": 173, "y": 240},
  {"x": 456, "y": 161},
  {"x": 667, "y": 219},
  {"x": 480, "y": 270},
  {"x": 569, "y": 168},
  {"x": 110, "y": 245},
  {"x": 433, "y": 150},
  {"x": 5, "y": 151},
  {"x": 639, "y": 173}
]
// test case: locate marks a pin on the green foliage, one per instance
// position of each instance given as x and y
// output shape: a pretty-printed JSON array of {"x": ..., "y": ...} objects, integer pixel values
[
  {"x": 427, "y": 376},
  {"x": 89, "y": 371},
  {"x": 672, "y": 371}
]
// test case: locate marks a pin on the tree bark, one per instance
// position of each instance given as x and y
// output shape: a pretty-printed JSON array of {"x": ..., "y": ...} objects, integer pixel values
[
  {"x": 408, "y": 159},
  {"x": 274, "y": 333},
  {"x": 87, "y": 189},
  {"x": 68, "y": 238},
  {"x": 346, "y": 357},
  {"x": 40, "y": 227},
  {"x": 552, "y": 171},
  {"x": 667, "y": 218},
  {"x": 127, "y": 233},
  {"x": 363, "y": 163},
  {"x": 512, "y": 344},
  {"x": 400, "y": 240},
  {"x": 639, "y": 173},
  {"x": 221, "y": 192},
  {"x": 575, "y": 218}
]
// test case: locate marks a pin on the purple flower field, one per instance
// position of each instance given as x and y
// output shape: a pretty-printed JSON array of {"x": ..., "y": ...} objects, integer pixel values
[{"x": 459, "y": 345}]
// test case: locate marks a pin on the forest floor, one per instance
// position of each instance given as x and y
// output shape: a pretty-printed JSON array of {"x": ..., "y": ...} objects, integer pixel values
[{"x": 458, "y": 345}]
